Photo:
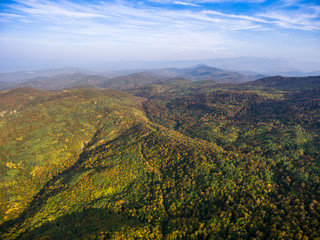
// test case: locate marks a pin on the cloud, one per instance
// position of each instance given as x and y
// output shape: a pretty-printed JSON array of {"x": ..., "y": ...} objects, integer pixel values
[
  {"x": 123, "y": 16},
  {"x": 49, "y": 8},
  {"x": 186, "y": 4},
  {"x": 116, "y": 13},
  {"x": 196, "y": 2},
  {"x": 305, "y": 17},
  {"x": 107, "y": 27}
]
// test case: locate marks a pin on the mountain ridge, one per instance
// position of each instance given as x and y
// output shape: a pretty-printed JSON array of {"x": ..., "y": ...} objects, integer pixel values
[{"x": 136, "y": 79}]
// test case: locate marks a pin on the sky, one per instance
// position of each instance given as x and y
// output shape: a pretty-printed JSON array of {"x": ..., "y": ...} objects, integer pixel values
[{"x": 37, "y": 34}]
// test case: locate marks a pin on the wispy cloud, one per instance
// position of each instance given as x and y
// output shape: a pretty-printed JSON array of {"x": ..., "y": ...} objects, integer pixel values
[
  {"x": 186, "y": 4},
  {"x": 153, "y": 29},
  {"x": 207, "y": 1},
  {"x": 298, "y": 20},
  {"x": 116, "y": 12}
]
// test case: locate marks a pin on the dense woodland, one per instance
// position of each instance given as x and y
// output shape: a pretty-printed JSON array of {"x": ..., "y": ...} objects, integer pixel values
[{"x": 171, "y": 160}]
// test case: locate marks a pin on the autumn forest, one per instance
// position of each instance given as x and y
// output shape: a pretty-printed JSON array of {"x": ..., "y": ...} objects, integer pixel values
[{"x": 166, "y": 159}]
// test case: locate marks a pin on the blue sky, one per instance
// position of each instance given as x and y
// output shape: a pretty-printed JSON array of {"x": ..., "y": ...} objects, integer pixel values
[{"x": 42, "y": 33}]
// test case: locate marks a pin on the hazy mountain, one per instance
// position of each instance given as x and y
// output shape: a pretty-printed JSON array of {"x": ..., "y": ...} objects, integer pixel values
[
  {"x": 112, "y": 74},
  {"x": 260, "y": 65},
  {"x": 266, "y": 66},
  {"x": 263, "y": 65},
  {"x": 76, "y": 79},
  {"x": 64, "y": 81},
  {"x": 21, "y": 76},
  {"x": 132, "y": 80},
  {"x": 46, "y": 81},
  {"x": 246, "y": 65},
  {"x": 203, "y": 72},
  {"x": 6, "y": 85},
  {"x": 196, "y": 73}
]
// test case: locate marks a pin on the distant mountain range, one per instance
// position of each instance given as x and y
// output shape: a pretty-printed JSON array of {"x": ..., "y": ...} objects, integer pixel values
[
  {"x": 266, "y": 66},
  {"x": 70, "y": 77},
  {"x": 79, "y": 79},
  {"x": 247, "y": 65},
  {"x": 203, "y": 72},
  {"x": 21, "y": 76}
]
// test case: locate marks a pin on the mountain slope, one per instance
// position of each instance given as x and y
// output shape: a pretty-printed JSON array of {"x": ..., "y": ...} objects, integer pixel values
[
  {"x": 287, "y": 83},
  {"x": 43, "y": 133},
  {"x": 191, "y": 160}
]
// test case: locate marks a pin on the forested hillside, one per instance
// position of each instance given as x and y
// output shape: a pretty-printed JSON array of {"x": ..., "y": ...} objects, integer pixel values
[{"x": 172, "y": 160}]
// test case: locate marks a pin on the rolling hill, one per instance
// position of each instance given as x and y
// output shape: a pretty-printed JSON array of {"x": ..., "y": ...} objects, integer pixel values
[{"x": 179, "y": 160}]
